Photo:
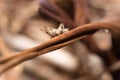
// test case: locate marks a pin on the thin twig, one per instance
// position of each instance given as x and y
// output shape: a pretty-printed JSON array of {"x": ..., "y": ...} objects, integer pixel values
[
  {"x": 55, "y": 43},
  {"x": 79, "y": 12},
  {"x": 54, "y": 11},
  {"x": 3, "y": 48},
  {"x": 76, "y": 31},
  {"x": 56, "y": 17},
  {"x": 53, "y": 7},
  {"x": 21, "y": 58}
]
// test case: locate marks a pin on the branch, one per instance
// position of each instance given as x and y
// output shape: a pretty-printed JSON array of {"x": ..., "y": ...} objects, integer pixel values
[
  {"x": 80, "y": 12},
  {"x": 54, "y": 11},
  {"x": 3, "y": 48},
  {"x": 55, "y": 43}
]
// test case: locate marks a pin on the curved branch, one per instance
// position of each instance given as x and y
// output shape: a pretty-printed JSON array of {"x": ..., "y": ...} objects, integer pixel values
[{"x": 55, "y": 43}]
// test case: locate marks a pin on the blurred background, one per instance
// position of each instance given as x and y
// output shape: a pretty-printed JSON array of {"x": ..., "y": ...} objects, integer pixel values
[{"x": 27, "y": 23}]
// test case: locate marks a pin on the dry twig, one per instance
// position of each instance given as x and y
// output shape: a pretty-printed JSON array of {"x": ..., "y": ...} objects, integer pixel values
[{"x": 55, "y": 43}]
